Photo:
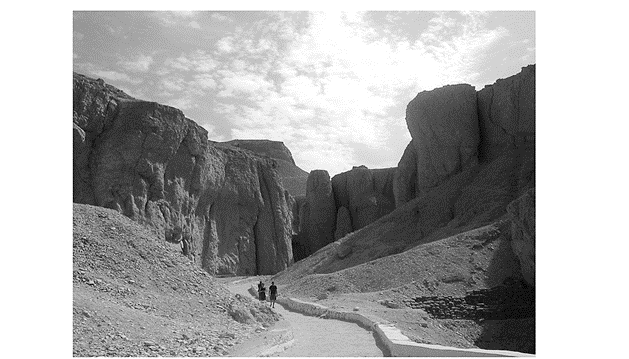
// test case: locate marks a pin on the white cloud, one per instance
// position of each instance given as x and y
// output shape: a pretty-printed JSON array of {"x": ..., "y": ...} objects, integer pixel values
[
  {"x": 141, "y": 64},
  {"x": 221, "y": 17},
  {"x": 225, "y": 45},
  {"x": 194, "y": 25},
  {"x": 196, "y": 61},
  {"x": 337, "y": 81}
]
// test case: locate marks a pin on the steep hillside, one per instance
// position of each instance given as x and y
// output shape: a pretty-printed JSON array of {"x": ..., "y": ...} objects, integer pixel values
[
  {"x": 154, "y": 165},
  {"x": 293, "y": 178},
  {"x": 133, "y": 295}
]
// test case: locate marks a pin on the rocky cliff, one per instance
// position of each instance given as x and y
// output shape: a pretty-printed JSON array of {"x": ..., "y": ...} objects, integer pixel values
[
  {"x": 349, "y": 201},
  {"x": 154, "y": 165},
  {"x": 293, "y": 178},
  {"x": 454, "y": 128}
]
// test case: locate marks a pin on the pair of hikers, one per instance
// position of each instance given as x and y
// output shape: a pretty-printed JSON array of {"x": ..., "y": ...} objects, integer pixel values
[{"x": 272, "y": 293}]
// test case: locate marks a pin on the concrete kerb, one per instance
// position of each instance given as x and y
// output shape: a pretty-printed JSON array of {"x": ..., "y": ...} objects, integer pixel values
[{"x": 398, "y": 344}]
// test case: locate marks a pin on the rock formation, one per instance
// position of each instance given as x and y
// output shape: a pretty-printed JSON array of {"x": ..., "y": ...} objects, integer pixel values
[
  {"x": 405, "y": 179},
  {"x": 454, "y": 128},
  {"x": 151, "y": 163},
  {"x": 522, "y": 214},
  {"x": 321, "y": 213},
  {"x": 366, "y": 193},
  {"x": 293, "y": 178},
  {"x": 444, "y": 126},
  {"x": 343, "y": 223},
  {"x": 506, "y": 112}
]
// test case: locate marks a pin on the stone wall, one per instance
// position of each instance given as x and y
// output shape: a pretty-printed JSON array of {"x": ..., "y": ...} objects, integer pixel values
[{"x": 511, "y": 301}]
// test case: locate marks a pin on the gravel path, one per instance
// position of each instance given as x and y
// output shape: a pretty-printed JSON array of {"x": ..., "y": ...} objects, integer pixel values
[{"x": 311, "y": 336}]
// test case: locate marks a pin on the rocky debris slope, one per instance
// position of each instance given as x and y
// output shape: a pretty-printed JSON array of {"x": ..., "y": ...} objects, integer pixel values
[
  {"x": 293, "y": 178},
  {"x": 154, "y": 165},
  {"x": 132, "y": 296}
]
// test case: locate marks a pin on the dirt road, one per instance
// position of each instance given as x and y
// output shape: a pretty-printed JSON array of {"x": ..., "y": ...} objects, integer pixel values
[{"x": 299, "y": 335}]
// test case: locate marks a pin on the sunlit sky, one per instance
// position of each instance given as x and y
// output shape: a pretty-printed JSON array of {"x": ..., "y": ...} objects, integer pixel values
[{"x": 333, "y": 86}]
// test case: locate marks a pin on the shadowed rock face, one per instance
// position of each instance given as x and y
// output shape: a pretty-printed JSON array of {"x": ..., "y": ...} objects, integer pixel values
[
  {"x": 455, "y": 128},
  {"x": 522, "y": 214},
  {"x": 506, "y": 113},
  {"x": 405, "y": 179},
  {"x": 444, "y": 126},
  {"x": 151, "y": 163},
  {"x": 366, "y": 193},
  {"x": 293, "y": 178},
  {"x": 320, "y": 212}
]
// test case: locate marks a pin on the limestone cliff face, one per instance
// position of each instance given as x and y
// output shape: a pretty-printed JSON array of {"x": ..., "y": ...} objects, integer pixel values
[
  {"x": 522, "y": 215},
  {"x": 506, "y": 113},
  {"x": 366, "y": 193},
  {"x": 293, "y": 178},
  {"x": 444, "y": 126},
  {"x": 348, "y": 202},
  {"x": 320, "y": 212},
  {"x": 454, "y": 128},
  {"x": 151, "y": 163}
]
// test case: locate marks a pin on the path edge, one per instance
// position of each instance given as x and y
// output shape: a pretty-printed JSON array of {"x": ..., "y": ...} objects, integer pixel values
[{"x": 398, "y": 344}]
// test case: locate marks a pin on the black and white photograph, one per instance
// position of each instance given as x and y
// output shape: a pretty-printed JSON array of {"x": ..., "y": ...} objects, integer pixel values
[
  {"x": 326, "y": 179},
  {"x": 303, "y": 183}
]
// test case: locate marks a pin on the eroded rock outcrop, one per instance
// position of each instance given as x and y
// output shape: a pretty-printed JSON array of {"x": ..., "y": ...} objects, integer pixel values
[
  {"x": 405, "y": 179},
  {"x": 293, "y": 178},
  {"x": 522, "y": 214},
  {"x": 343, "y": 223},
  {"x": 506, "y": 113},
  {"x": 444, "y": 126},
  {"x": 366, "y": 193},
  {"x": 321, "y": 212},
  {"x": 151, "y": 163}
]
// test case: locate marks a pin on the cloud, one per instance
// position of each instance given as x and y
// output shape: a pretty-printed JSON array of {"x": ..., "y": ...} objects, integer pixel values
[
  {"x": 198, "y": 60},
  {"x": 141, "y": 64},
  {"x": 221, "y": 17},
  {"x": 173, "y": 18},
  {"x": 331, "y": 86},
  {"x": 194, "y": 24}
]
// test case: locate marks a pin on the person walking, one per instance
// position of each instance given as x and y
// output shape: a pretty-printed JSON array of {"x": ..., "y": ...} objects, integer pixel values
[
  {"x": 261, "y": 292},
  {"x": 273, "y": 294}
]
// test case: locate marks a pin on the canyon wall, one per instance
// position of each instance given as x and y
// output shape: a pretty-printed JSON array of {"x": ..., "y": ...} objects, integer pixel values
[{"x": 154, "y": 165}]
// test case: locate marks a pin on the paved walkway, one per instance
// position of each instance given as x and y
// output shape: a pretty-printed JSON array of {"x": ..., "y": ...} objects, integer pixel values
[{"x": 306, "y": 336}]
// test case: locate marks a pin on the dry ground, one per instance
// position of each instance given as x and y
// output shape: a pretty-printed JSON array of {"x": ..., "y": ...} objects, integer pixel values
[{"x": 136, "y": 296}]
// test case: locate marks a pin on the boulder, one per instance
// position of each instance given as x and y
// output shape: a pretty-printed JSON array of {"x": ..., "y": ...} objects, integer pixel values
[
  {"x": 444, "y": 126},
  {"x": 154, "y": 165},
  {"x": 506, "y": 111},
  {"x": 522, "y": 214},
  {"x": 321, "y": 219},
  {"x": 343, "y": 223},
  {"x": 405, "y": 178}
]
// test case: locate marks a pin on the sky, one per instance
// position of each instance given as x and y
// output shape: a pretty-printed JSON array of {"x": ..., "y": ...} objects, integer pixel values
[{"x": 333, "y": 86}]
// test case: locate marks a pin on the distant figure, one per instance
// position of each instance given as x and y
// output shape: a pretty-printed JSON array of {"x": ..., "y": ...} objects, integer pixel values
[
  {"x": 261, "y": 292},
  {"x": 273, "y": 294}
]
